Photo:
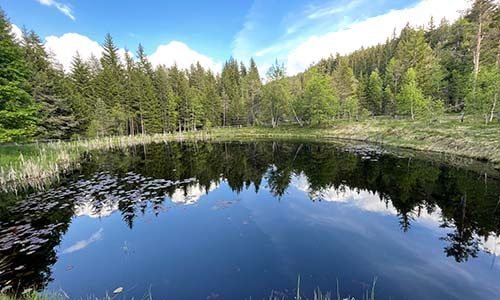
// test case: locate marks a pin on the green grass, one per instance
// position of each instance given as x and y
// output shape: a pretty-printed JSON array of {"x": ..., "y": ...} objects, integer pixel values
[
  {"x": 37, "y": 165},
  {"x": 367, "y": 294},
  {"x": 445, "y": 135}
]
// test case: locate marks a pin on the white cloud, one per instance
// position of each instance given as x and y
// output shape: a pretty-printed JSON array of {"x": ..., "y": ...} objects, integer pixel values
[
  {"x": 65, "y": 47},
  {"x": 16, "y": 31},
  {"x": 64, "y": 8},
  {"x": 179, "y": 53},
  {"x": 97, "y": 236},
  {"x": 370, "y": 32},
  {"x": 192, "y": 194}
]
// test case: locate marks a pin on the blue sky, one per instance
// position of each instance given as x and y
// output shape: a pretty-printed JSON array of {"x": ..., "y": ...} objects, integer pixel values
[{"x": 297, "y": 32}]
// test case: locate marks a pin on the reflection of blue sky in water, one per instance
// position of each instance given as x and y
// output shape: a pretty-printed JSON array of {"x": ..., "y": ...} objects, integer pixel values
[
  {"x": 350, "y": 234},
  {"x": 371, "y": 202}
]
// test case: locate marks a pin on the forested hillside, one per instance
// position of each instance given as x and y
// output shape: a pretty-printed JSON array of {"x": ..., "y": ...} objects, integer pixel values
[{"x": 417, "y": 73}]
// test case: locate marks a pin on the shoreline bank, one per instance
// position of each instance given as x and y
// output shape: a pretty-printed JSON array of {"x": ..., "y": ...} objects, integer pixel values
[{"x": 469, "y": 140}]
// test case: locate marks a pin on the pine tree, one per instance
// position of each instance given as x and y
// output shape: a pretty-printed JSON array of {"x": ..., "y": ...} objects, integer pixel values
[{"x": 17, "y": 109}]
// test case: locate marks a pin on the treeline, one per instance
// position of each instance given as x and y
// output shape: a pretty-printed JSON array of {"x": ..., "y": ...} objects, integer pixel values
[
  {"x": 450, "y": 67},
  {"x": 420, "y": 73}
]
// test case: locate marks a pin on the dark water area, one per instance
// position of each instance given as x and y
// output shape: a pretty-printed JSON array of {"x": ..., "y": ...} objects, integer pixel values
[{"x": 243, "y": 220}]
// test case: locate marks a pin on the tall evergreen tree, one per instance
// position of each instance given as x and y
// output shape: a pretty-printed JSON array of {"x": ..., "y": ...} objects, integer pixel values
[
  {"x": 150, "y": 110},
  {"x": 49, "y": 90},
  {"x": 17, "y": 109},
  {"x": 346, "y": 85},
  {"x": 375, "y": 93},
  {"x": 231, "y": 88},
  {"x": 81, "y": 93},
  {"x": 251, "y": 92},
  {"x": 413, "y": 51},
  {"x": 110, "y": 83}
]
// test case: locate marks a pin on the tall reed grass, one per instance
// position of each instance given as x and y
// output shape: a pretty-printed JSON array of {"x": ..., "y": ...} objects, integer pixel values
[{"x": 57, "y": 158}]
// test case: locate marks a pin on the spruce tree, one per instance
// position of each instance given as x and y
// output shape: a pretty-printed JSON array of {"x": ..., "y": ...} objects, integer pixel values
[
  {"x": 49, "y": 89},
  {"x": 81, "y": 93},
  {"x": 149, "y": 103},
  {"x": 17, "y": 109},
  {"x": 346, "y": 85},
  {"x": 110, "y": 83},
  {"x": 253, "y": 86}
]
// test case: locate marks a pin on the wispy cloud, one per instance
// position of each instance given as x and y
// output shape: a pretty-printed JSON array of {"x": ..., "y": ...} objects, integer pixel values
[
  {"x": 331, "y": 9},
  {"x": 267, "y": 36},
  {"x": 370, "y": 31},
  {"x": 97, "y": 236},
  {"x": 304, "y": 34},
  {"x": 64, "y": 8}
]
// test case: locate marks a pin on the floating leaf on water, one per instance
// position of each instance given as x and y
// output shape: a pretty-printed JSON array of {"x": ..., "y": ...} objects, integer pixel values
[{"x": 118, "y": 290}]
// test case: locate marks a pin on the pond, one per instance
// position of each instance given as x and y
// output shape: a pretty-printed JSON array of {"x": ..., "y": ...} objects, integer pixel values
[{"x": 245, "y": 220}]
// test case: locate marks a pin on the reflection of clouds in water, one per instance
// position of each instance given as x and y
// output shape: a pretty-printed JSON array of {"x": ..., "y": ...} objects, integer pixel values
[
  {"x": 491, "y": 245},
  {"x": 359, "y": 198},
  {"x": 88, "y": 208},
  {"x": 191, "y": 194},
  {"x": 97, "y": 236},
  {"x": 371, "y": 202}
]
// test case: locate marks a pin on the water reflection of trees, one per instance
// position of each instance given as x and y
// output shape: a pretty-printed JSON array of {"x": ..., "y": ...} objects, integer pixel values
[{"x": 136, "y": 181}]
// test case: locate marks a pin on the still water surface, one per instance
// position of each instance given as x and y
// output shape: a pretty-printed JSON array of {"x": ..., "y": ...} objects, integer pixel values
[{"x": 243, "y": 220}]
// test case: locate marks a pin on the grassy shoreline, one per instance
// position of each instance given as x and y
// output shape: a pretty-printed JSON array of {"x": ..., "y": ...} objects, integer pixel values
[{"x": 36, "y": 165}]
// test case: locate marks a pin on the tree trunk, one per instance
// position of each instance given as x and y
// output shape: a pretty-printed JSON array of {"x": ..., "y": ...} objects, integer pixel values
[
  {"x": 142, "y": 125},
  {"x": 477, "y": 52},
  {"x": 297, "y": 118},
  {"x": 492, "y": 113}
]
